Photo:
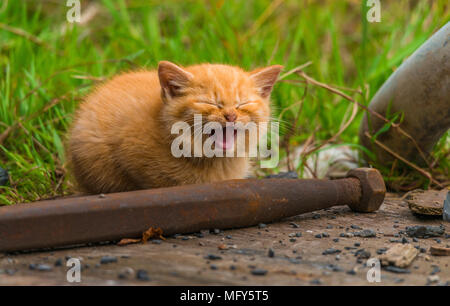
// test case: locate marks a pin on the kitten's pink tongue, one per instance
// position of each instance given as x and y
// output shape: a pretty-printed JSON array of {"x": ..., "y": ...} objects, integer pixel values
[{"x": 227, "y": 143}]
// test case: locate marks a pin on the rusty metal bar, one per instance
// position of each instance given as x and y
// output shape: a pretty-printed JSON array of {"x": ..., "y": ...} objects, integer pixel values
[{"x": 182, "y": 209}]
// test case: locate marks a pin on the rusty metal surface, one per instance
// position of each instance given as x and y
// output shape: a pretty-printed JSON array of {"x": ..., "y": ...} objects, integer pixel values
[
  {"x": 420, "y": 89},
  {"x": 182, "y": 209},
  {"x": 184, "y": 260}
]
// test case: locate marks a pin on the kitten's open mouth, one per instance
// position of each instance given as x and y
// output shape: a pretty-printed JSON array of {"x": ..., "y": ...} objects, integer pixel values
[{"x": 227, "y": 139}]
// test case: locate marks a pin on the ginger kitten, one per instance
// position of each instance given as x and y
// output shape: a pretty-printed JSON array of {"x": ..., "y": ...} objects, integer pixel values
[{"x": 121, "y": 137}]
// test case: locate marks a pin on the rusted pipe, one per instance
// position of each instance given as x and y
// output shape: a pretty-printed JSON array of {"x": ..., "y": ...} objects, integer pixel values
[
  {"x": 420, "y": 89},
  {"x": 182, "y": 209}
]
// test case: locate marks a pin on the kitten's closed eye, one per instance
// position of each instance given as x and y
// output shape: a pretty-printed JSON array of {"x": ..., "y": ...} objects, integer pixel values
[
  {"x": 245, "y": 104},
  {"x": 209, "y": 103}
]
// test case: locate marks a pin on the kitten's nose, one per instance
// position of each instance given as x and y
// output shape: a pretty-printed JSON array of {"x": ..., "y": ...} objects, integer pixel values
[{"x": 230, "y": 117}]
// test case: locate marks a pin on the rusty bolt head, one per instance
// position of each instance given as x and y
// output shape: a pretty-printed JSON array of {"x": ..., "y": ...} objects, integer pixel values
[{"x": 372, "y": 189}]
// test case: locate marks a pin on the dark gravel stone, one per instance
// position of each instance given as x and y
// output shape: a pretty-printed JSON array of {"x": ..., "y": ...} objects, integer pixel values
[
  {"x": 325, "y": 234},
  {"x": 199, "y": 235},
  {"x": 262, "y": 225},
  {"x": 294, "y": 225},
  {"x": 298, "y": 234},
  {"x": 336, "y": 240},
  {"x": 422, "y": 231},
  {"x": 108, "y": 259},
  {"x": 288, "y": 175},
  {"x": 40, "y": 267},
  {"x": 381, "y": 251},
  {"x": 4, "y": 177},
  {"x": 394, "y": 269},
  {"x": 351, "y": 272},
  {"x": 58, "y": 262},
  {"x": 331, "y": 251},
  {"x": 292, "y": 240},
  {"x": 404, "y": 240},
  {"x": 232, "y": 267},
  {"x": 271, "y": 253},
  {"x": 213, "y": 267},
  {"x": 415, "y": 239},
  {"x": 367, "y": 233},
  {"x": 357, "y": 244},
  {"x": 258, "y": 272},
  {"x": 213, "y": 257},
  {"x": 318, "y": 236},
  {"x": 362, "y": 254},
  {"x": 316, "y": 216},
  {"x": 334, "y": 268},
  {"x": 355, "y": 226},
  {"x": 142, "y": 275},
  {"x": 229, "y": 237},
  {"x": 435, "y": 270},
  {"x": 316, "y": 282}
]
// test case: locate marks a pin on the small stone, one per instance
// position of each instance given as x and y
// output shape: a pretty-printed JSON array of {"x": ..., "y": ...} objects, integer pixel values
[
  {"x": 292, "y": 240},
  {"x": 212, "y": 257},
  {"x": 258, "y": 272},
  {"x": 325, "y": 234},
  {"x": 294, "y": 225},
  {"x": 271, "y": 253},
  {"x": 381, "y": 251},
  {"x": 433, "y": 279},
  {"x": 422, "y": 231},
  {"x": 262, "y": 225},
  {"x": 334, "y": 268},
  {"x": 213, "y": 267},
  {"x": 316, "y": 216},
  {"x": 336, "y": 240},
  {"x": 355, "y": 226},
  {"x": 108, "y": 259},
  {"x": 357, "y": 244},
  {"x": 315, "y": 282},
  {"x": 142, "y": 275},
  {"x": 435, "y": 270},
  {"x": 394, "y": 269},
  {"x": 229, "y": 237},
  {"x": 40, "y": 267},
  {"x": 58, "y": 262},
  {"x": 318, "y": 236},
  {"x": 330, "y": 251},
  {"x": 367, "y": 233},
  {"x": 362, "y": 254}
]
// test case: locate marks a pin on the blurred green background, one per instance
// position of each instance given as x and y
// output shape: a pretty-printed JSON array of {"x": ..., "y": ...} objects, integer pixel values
[{"x": 47, "y": 64}]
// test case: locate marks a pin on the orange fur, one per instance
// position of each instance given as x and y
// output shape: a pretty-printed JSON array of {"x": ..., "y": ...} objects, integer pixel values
[{"x": 120, "y": 139}]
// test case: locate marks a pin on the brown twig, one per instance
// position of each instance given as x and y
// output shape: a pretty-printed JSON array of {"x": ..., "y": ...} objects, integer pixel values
[
  {"x": 412, "y": 165},
  {"x": 376, "y": 114}
]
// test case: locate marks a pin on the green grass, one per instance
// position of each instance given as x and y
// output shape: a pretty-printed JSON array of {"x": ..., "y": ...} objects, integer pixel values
[{"x": 47, "y": 64}]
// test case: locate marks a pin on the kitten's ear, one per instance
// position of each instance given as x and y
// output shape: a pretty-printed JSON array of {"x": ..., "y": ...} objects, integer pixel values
[
  {"x": 265, "y": 78},
  {"x": 173, "y": 79}
]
